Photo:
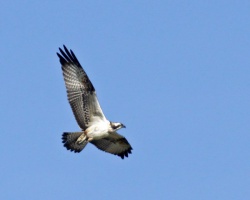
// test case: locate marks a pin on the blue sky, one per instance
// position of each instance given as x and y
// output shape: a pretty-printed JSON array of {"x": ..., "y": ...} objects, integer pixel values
[{"x": 176, "y": 73}]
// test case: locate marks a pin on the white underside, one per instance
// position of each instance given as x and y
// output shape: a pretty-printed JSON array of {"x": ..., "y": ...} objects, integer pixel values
[{"x": 98, "y": 130}]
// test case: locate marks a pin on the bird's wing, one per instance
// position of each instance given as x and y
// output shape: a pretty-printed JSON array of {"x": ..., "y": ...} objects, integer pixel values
[
  {"x": 115, "y": 144},
  {"x": 81, "y": 93}
]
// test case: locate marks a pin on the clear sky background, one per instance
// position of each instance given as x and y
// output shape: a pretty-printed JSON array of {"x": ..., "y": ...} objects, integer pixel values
[{"x": 176, "y": 73}]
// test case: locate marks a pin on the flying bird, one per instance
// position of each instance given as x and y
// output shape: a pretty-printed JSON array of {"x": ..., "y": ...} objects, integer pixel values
[{"x": 95, "y": 128}]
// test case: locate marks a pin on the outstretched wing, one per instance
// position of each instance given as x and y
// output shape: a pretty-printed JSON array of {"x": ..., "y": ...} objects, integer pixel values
[
  {"x": 81, "y": 93},
  {"x": 115, "y": 144}
]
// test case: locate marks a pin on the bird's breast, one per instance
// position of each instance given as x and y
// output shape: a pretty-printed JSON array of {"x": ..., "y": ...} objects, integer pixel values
[{"x": 98, "y": 130}]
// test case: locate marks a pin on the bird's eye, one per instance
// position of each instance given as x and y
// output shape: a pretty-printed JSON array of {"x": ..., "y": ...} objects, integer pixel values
[{"x": 115, "y": 126}]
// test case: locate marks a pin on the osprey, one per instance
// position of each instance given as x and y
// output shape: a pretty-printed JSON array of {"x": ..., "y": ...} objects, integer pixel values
[{"x": 95, "y": 128}]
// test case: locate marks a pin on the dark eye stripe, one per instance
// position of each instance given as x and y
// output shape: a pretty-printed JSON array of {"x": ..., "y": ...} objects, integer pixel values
[{"x": 115, "y": 126}]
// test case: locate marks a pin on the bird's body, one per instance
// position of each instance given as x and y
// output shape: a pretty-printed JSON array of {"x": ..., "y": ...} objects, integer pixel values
[
  {"x": 95, "y": 128},
  {"x": 99, "y": 130}
]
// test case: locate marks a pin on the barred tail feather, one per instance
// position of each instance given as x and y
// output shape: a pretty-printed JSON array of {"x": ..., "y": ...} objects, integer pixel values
[{"x": 69, "y": 140}]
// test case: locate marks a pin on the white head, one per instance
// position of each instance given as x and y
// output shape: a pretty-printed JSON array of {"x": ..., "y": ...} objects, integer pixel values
[{"x": 116, "y": 126}]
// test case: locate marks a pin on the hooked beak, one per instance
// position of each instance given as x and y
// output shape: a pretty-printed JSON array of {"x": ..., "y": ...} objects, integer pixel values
[{"x": 123, "y": 126}]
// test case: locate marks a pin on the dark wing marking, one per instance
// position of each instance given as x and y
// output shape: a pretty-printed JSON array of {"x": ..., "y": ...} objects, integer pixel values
[
  {"x": 81, "y": 92},
  {"x": 115, "y": 144}
]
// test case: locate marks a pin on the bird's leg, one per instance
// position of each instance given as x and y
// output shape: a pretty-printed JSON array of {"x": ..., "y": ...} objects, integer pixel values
[{"x": 81, "y": 138}]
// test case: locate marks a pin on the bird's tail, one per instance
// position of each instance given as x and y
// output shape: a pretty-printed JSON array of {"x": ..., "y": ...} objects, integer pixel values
[{"x": 72, "y": 143}]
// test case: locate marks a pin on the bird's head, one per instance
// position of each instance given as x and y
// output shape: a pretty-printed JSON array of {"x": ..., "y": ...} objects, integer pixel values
[{"x": 116, "y": 125}]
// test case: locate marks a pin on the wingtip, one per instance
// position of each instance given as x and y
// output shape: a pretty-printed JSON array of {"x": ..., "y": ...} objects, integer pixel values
[
  {"x": 126, "y": 153},
  {"x": 61, "y": 59},
  {"x": 60, "y": 49},
  {"x": 64, "y": 46}
]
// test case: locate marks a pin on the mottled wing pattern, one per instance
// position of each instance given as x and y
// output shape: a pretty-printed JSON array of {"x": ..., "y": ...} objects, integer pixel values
[
  {"x": 81, "y": 93},
  {"x": 115, "y": 144}
]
